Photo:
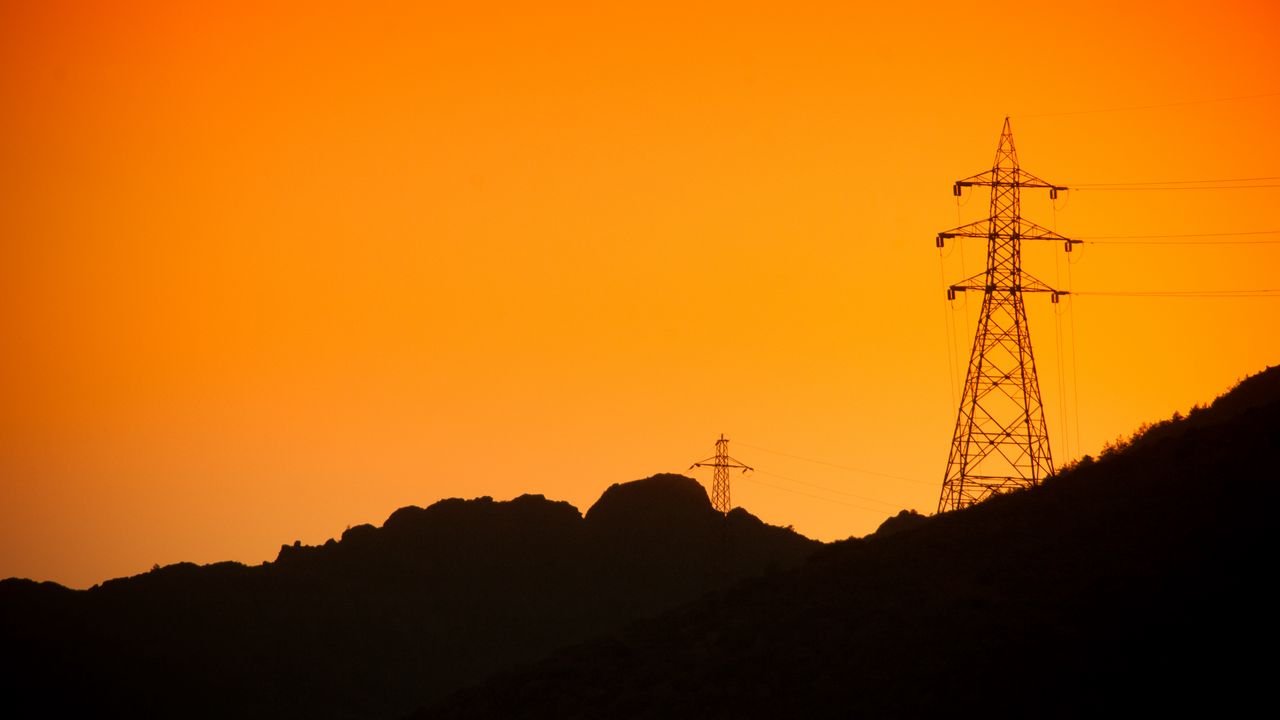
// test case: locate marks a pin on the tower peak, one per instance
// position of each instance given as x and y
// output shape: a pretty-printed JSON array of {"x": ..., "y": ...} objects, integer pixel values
[{"x": 1006, "y": 153}]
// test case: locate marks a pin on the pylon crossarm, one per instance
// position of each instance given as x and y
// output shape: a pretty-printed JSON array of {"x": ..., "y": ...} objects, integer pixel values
[
  {"x": 979, "y": 282},
  {"x": 986, "y": 177},
  {"x": 982, "y": 229},
  {"x": 1027, "y": 180},
  {"x": 1032, "y": 231},
  {"x": 1031, "y": 284},
  {"x": 979, "y": 229},
  {"x": 975, "y": 282},
  {"x": 714, "y": 462},
  {"x": 1021, "y": 179}
]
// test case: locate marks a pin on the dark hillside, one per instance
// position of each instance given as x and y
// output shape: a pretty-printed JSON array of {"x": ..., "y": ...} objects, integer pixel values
[
  {"x": 383, "y": 620},
  {"x": 1134, "y": 584}
]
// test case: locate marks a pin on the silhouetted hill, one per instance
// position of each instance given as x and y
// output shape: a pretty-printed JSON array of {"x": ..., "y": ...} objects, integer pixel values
[
  {"x": 384, "y": 619},
  {"x": 1136, "y": 584}
]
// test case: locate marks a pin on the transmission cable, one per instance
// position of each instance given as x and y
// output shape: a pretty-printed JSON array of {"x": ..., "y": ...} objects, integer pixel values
[
  {"x": 1149, "y": 107},
  {"x": 748, "y": 478},
  {"x": 1260, "y": 293},
  {"x": 864, "y": 498},
  {"x": 1084, "y": 188},
  {"x": 1182, "y": 235},
  {"x": 1179, "y": 182},
  {"x": 834, "y": 465}
]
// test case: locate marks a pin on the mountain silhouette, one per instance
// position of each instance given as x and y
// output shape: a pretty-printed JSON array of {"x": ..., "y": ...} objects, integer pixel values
[
  {"x": 382, "y": 620},
  {"x": 1136, "y": 583}
]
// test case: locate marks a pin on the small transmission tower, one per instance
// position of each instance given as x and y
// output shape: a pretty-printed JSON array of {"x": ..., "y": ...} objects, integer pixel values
[
  {"x": 1001, "y": 442},
  {"x": 720, "y": 482}
]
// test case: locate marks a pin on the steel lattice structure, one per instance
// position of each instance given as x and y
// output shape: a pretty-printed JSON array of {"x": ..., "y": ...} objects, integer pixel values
[
  {"x": 720, "y": 481},
  {"x": 1001, "y": 442}
]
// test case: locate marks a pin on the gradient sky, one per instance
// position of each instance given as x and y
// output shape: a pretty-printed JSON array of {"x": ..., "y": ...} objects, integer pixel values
[{"x": 273, "y": 269}]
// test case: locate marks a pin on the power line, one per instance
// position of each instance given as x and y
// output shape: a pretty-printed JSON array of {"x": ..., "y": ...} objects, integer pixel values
[
  {"x": 1177, "y": 187},
  {"x": 1182, "y": 242},
  {"x": 1125, "y": 108},
  {"x": 1180, "y": 182},
  {"x": 1263, "y": 293},
  {"x": 1182, "y": 235},
  {"x": 1177, "y": 239},
  {"x": 835, "y": 465},
  {"x": 818, "y": 497},
  {"x": 1075, "y": 365},
  {"x": 824, "y": 488},
  {"x": 1057, "y": 324}
]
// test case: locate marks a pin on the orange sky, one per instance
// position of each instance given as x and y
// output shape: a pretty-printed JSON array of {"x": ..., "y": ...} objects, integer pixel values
[{"x": 272, "y": 272}]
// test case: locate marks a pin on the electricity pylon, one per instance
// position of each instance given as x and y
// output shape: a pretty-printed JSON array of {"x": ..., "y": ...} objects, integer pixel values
[
  {"x": 720, "y": 481},
  {"x": 1001, "y": 442}
]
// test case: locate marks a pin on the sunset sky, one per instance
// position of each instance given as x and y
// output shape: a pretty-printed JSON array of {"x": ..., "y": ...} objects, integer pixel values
[{"x": 274, "y": 269}]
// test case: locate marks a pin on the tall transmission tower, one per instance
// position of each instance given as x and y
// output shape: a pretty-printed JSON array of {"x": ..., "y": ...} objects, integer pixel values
[
  {"x": 720, "y": 482},
  {"x": 1001, "y": 442}
]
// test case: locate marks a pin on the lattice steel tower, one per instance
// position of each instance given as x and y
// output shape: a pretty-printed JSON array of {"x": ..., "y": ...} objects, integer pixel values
[
  {"x": 1000, "y": 442},
  {"x": 720, "y": 481}
]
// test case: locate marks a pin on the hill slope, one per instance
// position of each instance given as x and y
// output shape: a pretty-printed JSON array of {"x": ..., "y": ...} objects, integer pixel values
[
  {"x": 385, "y": 619},
  {"x": 1134, "y": 583}
]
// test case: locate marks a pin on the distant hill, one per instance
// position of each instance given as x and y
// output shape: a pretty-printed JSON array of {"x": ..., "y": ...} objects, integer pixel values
[
  {"x": 1135, "y": 584},
  {"x": 383, "y": 620}
]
